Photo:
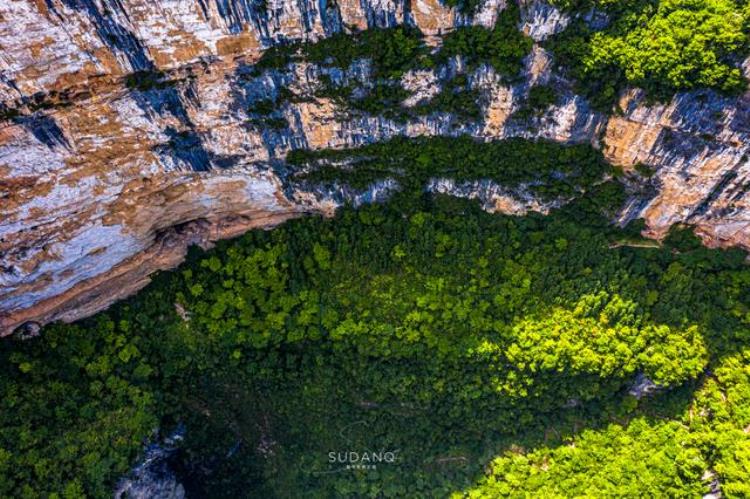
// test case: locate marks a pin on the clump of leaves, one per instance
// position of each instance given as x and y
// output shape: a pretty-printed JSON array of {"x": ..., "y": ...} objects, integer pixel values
[{"x": 661, "y": 46}]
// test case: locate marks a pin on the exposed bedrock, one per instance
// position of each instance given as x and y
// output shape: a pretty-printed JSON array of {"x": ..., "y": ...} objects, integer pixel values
[{"x": 103, "y": 182}]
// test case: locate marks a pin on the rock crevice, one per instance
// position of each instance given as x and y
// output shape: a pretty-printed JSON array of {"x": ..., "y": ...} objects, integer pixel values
[{"x": 105, "y": 179}]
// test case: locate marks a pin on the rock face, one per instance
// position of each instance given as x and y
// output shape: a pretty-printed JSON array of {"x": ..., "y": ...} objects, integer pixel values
[
  {"x": 103, "y": 181},
  {"x": 153, "y": 477},
  {"x": 642, "y": 387}
]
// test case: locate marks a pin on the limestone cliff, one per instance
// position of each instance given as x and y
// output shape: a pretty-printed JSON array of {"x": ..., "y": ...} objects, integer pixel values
[{"x": 103, "y": 182}]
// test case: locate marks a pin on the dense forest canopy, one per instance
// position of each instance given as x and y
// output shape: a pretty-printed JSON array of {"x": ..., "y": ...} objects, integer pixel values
[
  {"x": 662, "y": 46},
  {"x": 491, "y": 355}
]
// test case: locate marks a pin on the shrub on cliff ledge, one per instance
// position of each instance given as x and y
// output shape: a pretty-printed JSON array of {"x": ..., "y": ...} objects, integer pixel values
[
  {"x": 503, "y": 47},
  {"x": 551, "y": 170}
]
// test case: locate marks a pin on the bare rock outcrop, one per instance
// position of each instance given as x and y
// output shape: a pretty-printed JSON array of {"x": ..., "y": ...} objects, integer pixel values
[{"x": 104, "y": 181}]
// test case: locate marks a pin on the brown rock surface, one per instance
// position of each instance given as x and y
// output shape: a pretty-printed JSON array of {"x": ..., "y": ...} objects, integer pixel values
[{"x": 106, "y": 183}]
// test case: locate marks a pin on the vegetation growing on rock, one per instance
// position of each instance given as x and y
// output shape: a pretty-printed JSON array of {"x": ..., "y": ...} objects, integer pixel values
[
  {"x": 492, "y": 353},
  {"x": 662, "y": 46},
  {"x": 427, "y": 327},
  {"x": 391, "y": 53},
  {"x": 548, "y": 169}
]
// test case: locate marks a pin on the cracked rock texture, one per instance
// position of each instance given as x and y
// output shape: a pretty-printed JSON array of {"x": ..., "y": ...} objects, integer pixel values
[{"x": 102, "y": 184}]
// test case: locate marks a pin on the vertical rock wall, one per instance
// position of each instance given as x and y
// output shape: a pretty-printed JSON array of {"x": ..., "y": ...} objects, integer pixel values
[{"x": 104, "y": 181}]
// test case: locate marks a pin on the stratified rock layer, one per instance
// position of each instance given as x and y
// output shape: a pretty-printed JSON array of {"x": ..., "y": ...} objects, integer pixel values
[{"x": 102, "y": 184}]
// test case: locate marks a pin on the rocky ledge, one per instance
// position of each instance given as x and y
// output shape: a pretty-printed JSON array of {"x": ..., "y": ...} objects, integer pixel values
[{"x": 103, "y": 182}]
